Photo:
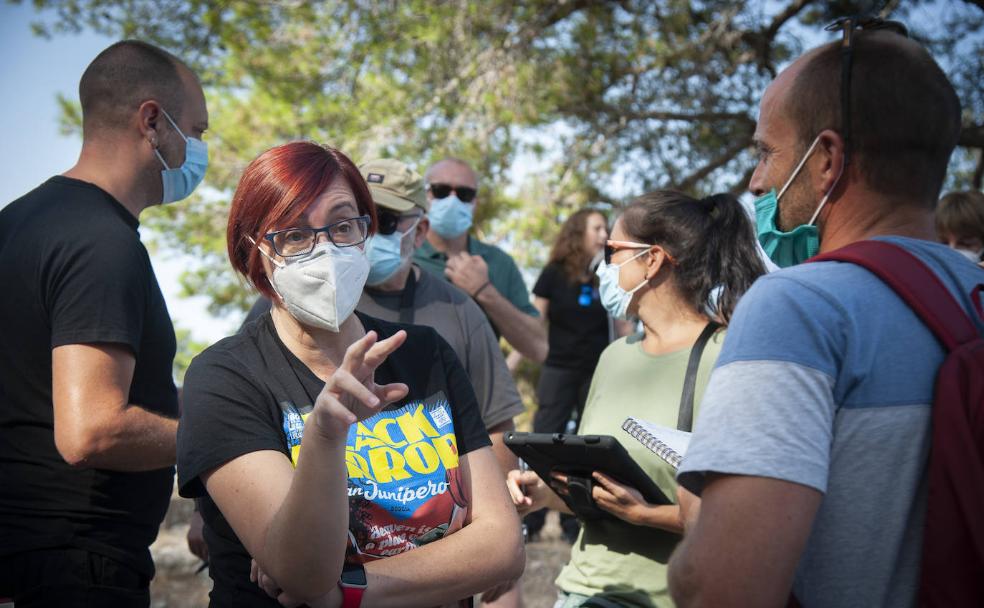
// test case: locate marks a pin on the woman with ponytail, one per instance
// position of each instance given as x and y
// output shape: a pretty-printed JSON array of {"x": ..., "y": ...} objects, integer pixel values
[{"x": 679, "y": 265}]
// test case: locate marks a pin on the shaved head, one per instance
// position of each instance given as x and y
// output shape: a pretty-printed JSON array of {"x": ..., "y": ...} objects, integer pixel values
[
  {"x": 461, "y": 173},
  {"x": 905, "y": 115},
  {"x": 124, "y": 76}
]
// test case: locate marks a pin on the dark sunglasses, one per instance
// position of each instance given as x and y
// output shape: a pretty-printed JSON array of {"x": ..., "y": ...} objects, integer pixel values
[
  {"x": 848, "y": 25},
  {"x": 387, "y": 221},
  {"x": 465, "y": 194}
]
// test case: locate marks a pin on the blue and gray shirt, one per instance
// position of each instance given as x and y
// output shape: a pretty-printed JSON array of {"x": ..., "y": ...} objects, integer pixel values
[{"x": 826, "y": 379}]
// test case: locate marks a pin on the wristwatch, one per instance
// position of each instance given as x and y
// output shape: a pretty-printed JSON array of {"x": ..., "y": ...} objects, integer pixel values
[{"x": 353, "y": 584}]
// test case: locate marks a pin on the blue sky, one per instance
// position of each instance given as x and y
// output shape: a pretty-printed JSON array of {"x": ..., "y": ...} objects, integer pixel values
[{"x": 32, "y": 72}]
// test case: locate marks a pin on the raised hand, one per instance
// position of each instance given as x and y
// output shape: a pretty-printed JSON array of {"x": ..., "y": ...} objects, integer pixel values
[{"x": 351, "y": 394}]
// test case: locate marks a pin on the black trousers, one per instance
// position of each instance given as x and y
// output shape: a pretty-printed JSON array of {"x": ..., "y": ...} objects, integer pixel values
[
  {"x": 559, "y": 393},
  {"x": 71, "y": 578}
]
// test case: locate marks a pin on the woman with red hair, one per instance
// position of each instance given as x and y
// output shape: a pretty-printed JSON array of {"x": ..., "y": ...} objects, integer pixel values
[{"x": 394, "y": 456}]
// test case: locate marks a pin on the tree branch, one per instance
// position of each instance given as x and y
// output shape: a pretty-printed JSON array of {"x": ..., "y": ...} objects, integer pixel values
[
  {"x": 979, "y": 4},
  {"x": 691, "y": 180},
  {"x": 972, "y": 137},
  {"x": 779, "y": 20},
  {"x": 684, "y": 116},
  {"x": 762, "y": 40}
]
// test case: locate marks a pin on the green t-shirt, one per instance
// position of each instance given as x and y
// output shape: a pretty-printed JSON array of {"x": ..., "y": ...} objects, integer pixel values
[
  {"x": 503, "y": 272},
  {"x": 612, "y": 558}
]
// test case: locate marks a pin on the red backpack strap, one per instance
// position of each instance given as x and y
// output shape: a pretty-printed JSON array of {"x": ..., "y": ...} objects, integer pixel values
[{"x": 915, "y": 283}]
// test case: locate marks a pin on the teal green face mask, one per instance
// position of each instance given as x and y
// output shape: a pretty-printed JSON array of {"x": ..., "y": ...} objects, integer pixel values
[
  {"x": 802, "y": 242},
  {"x": 784, "y": 248}
]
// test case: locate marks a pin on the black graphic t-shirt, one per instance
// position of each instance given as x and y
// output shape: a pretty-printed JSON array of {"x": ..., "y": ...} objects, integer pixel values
[
  {"x": 248, "y": 393},
  {"x": 577, "y": 322}
]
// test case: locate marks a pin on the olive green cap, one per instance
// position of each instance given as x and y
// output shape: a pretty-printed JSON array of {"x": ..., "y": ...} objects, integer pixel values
[{"x": 394, "y": 185}]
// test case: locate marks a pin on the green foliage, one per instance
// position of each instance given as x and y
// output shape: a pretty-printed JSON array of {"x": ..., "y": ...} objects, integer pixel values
[{"x": 589, "y": 100}]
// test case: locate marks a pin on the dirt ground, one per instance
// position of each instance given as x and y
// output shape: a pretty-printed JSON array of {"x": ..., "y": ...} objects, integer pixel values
[{"x": 178, "y": 586}]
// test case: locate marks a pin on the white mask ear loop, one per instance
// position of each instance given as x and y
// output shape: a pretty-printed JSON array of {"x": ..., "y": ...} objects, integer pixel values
[
  {"x": 412, "y": 229},
  {"x": 823, "y": 201},
  {"x": 265, "y": 254},
  {"x": 641, "y": 253},
  {"x": 178, "y": 129},
  {"x": 644, "y": 281},
  {"x": 272, "y": 261},
  {"x": 174, "y": 124},
  {"x": 798, "y": 167}
]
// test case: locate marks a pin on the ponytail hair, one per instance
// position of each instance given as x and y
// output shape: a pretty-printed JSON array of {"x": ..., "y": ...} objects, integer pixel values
[{"x": 711, "y": 240}]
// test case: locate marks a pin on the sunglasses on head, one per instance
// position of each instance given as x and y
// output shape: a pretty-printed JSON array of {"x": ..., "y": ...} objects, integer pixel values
[
  {"x": 848, "y": 25},
  {"x": 465, "y": 194},
  {"x": 387, "y": 221}
]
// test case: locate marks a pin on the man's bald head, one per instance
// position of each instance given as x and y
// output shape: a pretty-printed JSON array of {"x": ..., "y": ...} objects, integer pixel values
[
  {"x": 456, "y": 170},
  {"x": 124, "y": 76},
  {"x": 905, "y": 115}
]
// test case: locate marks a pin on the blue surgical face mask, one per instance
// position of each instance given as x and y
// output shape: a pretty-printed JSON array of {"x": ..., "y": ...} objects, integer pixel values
[
  {"x": 802, "y": 242},
  {"x": 180, "y": 182},
  {"x": 615, "y": 299},
  {"x": 385, "y": 253},
  {"x": 449, "y": 217}
]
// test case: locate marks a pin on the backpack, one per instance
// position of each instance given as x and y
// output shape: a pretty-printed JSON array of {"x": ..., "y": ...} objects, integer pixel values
[{"x": 952, "y": 571}]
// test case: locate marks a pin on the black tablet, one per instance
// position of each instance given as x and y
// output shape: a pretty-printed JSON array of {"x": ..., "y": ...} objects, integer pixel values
[{"x": 578, "y": 456}]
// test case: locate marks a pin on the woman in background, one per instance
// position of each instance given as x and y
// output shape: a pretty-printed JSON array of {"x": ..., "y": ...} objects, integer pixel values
[
  {"x": 566, "y": 294},
  {"x": 578, "y": 329}
]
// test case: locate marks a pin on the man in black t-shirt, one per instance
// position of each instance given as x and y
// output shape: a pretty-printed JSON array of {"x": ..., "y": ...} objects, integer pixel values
[{"x": 88, "y": 405}]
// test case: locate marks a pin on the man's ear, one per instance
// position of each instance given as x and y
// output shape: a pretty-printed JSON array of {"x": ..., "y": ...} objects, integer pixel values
[
  {"x": 148, "y": 120},
  {"x": 421, "y": 232},
  {"x": 829, "y": 162}
]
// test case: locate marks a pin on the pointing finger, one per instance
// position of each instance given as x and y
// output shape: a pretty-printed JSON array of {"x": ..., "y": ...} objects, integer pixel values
[
  {"x": 355, "y": 354},
  {"x": 377, "y": 353}
]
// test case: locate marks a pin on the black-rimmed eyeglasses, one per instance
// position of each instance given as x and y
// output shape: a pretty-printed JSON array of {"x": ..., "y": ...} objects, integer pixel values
[
  {"x": 299, "y": 241},
  {"x": 848, "y": 25}
]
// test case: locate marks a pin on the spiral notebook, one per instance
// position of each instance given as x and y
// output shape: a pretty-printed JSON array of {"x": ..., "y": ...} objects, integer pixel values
[{"x": 669, "y": 444}]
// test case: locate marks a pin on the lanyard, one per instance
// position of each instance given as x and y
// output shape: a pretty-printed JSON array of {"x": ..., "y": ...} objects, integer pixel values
[{"x": 286, "y": 360}]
